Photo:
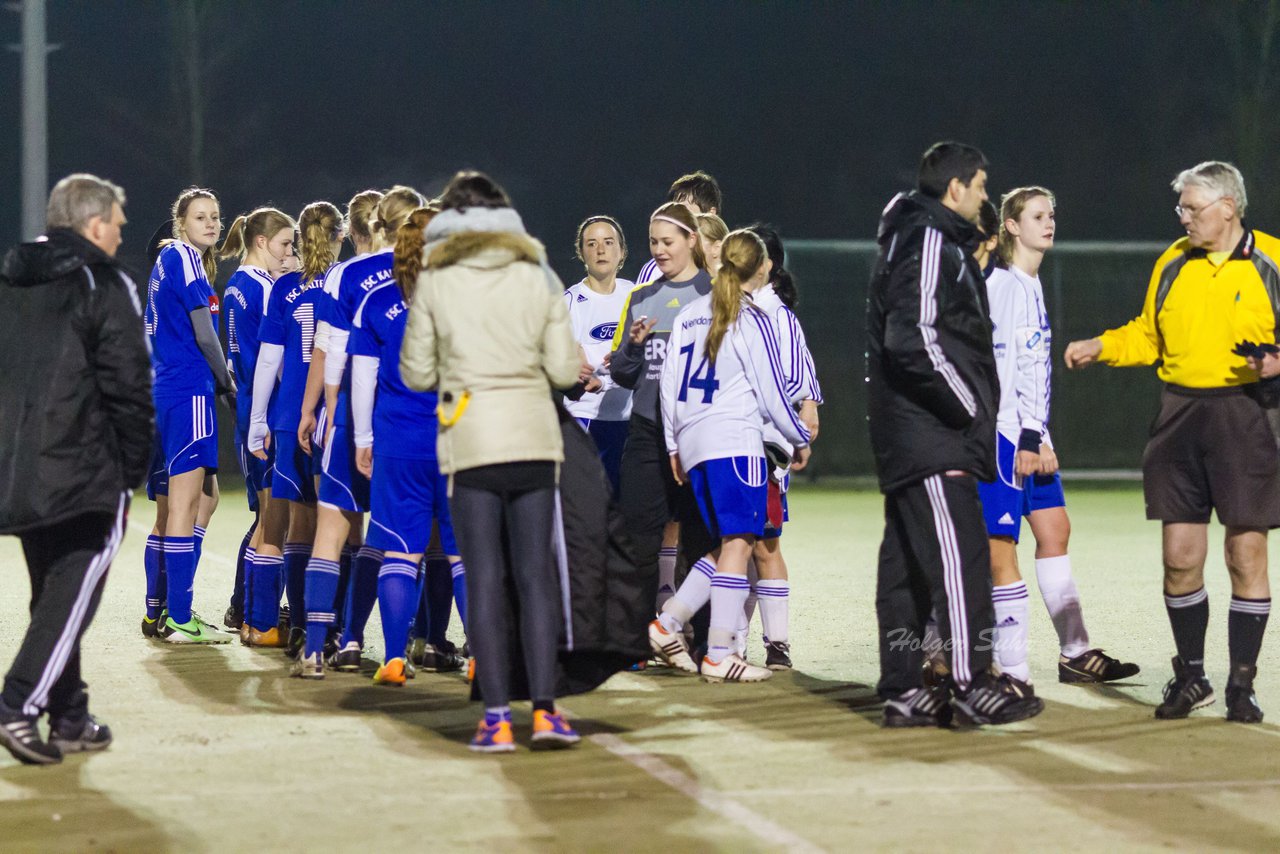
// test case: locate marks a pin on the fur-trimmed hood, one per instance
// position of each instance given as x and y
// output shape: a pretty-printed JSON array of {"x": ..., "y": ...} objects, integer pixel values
[{"x": 485, "y": 249}]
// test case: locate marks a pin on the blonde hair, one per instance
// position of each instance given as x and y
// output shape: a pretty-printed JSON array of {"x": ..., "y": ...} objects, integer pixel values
[
  {"x": 740, "y": 259},
  {"x": 410, "y": 240},
  {"x": 178, "y": 212},
  {"x": 360, "y": 212},
  {"x": 319, "y": 227},
  {"x": 712, "y": 227},
  {"x": 265, "y": 222},
  {"x": 1012, "y": 204},
  {"x": 684, "y": 219},
  {"x": 392, "y": 212}
]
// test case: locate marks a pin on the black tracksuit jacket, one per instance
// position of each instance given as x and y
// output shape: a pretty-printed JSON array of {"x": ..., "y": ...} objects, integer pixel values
[
  {"x": 931, "y": 374},
  {"x": 76, "y": 417}
]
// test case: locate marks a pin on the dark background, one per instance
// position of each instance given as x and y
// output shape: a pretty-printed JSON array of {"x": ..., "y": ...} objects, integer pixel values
[{"x": 810, "y": 114}]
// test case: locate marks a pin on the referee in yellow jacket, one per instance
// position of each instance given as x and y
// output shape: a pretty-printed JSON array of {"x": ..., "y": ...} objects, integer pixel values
[{"x": 1210, "y": 447}]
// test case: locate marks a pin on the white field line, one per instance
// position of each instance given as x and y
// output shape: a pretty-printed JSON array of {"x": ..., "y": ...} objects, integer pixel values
[
  {"x": 1085, "y": 757},
  {"x": 1021, "y": 787},
  {"x": 204, "y": 552},
  {"x": 715, "y": 801}
]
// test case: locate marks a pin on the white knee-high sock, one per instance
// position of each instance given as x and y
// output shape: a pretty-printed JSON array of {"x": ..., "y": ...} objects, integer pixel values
[
  {"x": 774, "y": 608},
  {"x": 1011, "y": 605},
  {"x": 692, "y": 595},
  {"x": 666, "y": 574},
  {"x": 728, "y": 595},
  {"x": 1058, "y": 588}
]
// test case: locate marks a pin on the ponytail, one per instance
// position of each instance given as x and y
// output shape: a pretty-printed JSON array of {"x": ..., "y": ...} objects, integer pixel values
[
  {"x": 233, "y": 245},
  {"x": 319, "y": 226},
  {"x": 392, "y": 212},
  {"x": 740, "y": 258},
  {"x": 410, "y": 240},
  {"x": 784, "y": 284},
  {"x": 265, "y": 222}
]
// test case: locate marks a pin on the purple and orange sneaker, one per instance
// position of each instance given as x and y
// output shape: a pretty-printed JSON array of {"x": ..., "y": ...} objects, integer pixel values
[
  {"x": 552, "y": 732},
  {"x": 494, "y": 738}
]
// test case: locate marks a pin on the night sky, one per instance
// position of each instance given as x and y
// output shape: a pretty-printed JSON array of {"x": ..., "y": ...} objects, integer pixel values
[{"x": 810, "y": 114}]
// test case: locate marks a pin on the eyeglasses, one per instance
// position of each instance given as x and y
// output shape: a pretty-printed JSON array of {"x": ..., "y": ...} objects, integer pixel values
[{"x": 1191, "y": 212}]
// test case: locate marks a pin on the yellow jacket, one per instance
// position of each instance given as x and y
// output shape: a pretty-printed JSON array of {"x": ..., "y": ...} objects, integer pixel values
[{"x": 1195, "y": 313}]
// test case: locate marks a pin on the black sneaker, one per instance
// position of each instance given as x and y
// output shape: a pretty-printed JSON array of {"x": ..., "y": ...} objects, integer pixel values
[
  {"x": 297, "y": 640},
  {"x": 1093, "y": 666},
  {"x": 74, "y": 736},
  {"x": 777, "y": 655},
  {"x": 331, "y": 639},
  {"x": 1242, "y": 703},
  {"x": 233, "y": 618},
  {"x": 19, "y": 734},
  {"x": 1187, "y": 691},
  {"x": 996, "y": 700},
  {"x": 150, "y": 627},
  {"x": 347, "y": 659},
  {"x": 442, "y": 658},
  {"x": 918, "y": 707}
]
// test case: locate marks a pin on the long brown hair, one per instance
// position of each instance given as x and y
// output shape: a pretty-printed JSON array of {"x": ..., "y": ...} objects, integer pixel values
[
  {"x": 264, "y": 222},
  {"x": 740, "y": 259},
  {"x": 319, "y": 227},
  {"x": 208, "y": 257},
  {"x": 392, "y": 212},
  {"x": 1012, "y": 204},
  {"x": 410, "y": 240},
  {"x": 688, "y": 224}
]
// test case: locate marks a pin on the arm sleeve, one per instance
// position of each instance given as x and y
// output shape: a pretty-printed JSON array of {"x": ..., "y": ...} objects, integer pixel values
[
  {"x": 912, "y": 349},
  {"x": 762, "y": 362},
  {"x": 364, "y": 388},
  {"x": 1032, "y": 383},
  {"x": 627, "y": 363},
  {"x": 335, "y": 356},
  {"x": 207, "y": 341},
  {"x": 1138, "y": 341},
  {"x": 561, "y": 355},
  {"x": 667, "y": 387},
  {"x": 264, "y": 379},
  {"x": 418, "y": 365},
  {"x": 122, "y": 372},
  {"x": 321, "y": 341}
]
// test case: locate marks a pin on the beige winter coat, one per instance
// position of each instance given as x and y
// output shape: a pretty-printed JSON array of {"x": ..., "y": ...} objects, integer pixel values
[{"x": 488, "y": 333}]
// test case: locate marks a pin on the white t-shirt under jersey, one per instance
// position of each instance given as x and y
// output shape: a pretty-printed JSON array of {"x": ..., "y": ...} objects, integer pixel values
[
  {"x": 594, "y": 318},
  {"x": 1021, "y": 336}
]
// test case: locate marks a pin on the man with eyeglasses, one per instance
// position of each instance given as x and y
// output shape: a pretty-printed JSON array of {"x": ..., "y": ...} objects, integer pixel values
[{"x": 1211, "y": 447}]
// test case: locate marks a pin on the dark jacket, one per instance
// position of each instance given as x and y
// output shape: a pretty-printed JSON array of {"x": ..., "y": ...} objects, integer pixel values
[
  {"x": 933, "y": 391},
  {"x": 76, "y": 418}
]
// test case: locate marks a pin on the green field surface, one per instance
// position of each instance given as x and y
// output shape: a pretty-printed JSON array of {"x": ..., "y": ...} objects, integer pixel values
[{"x": 218, "y": 750}]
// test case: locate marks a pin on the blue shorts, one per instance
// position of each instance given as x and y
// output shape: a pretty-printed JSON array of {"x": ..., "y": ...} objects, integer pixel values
[
  {"x": 188, "y": 431},
  {"x": 610, "y": 438},
  {"x": 293, "y": 475},
  {"x": 158, "y": 478},
  {"x": 341, "y": 484},
  {"x": 406, "y": 495},
  {"x": 1005, "y": 502},
  {"x": 732, "y": 494},
  {"x": 257, "y": 473}
]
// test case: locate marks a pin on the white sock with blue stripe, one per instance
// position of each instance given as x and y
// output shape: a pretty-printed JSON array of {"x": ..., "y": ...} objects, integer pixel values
[
  {"x": 692, "y": 595},
  {"x": 666, "y": 574},
  {"x": 774, "y": 598},
  {"x": 1011, "y": 604},
  {"x": 728, "y": 596}
]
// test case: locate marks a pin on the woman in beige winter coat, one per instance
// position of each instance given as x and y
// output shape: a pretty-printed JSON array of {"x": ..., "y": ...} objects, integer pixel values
[{"x": 488, "y": 329}]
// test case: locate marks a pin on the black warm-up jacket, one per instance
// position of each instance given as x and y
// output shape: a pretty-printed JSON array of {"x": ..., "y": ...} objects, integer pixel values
[
  {"x": 76, "y": 417},
  {"x": 931, "y": 374}
]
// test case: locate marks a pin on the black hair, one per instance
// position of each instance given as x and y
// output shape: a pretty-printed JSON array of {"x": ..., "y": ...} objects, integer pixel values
[
  {"x": 784, "y": 284},
  {"x": 988, "y": 221},
  {"x": 944, "y": 161},
  {"x": 699, "y": 188},
  {"x": 471, "y": 189}
]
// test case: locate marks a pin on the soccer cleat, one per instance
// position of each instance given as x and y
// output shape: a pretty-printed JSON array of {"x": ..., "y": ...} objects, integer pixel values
[
  {"x": 308, "y": 666},
  {"x": 995, "y": 700},
  {"x": 391, "y": 673},
  {"x": 332, "y": 638},
  {"x": 1016, "y": 687},
  {"x": 672, "y": 649},
  {"x": 150, "y": 628},
  {"x": 233, "y": 619},
  {"x": 777, "y": 655},
  {"x": 270, "y": 639},
  {"x": 75, "y": 736},
  {"x": 297, "y": 640},
  {"x": 918, "y": 707},
  {"x": 417, "y": 648},
  {"x": 1187, "y": 691},
  {"x": 1242, "y": 703},
  {"x": 18, "y": 733},
  {"x": 245, "y": 628},
  {"x": 551, "y": 731},
  {"x": 494, "y": 739},
  {"x": 410, "y": 672},
  {"x": 733, "y": 669},
  {"x": 440, "y": 658},
  {"x": 347, "y": 659},
  {"x": 194, "y": 631},
  {"x": 1093, "y": 666}
]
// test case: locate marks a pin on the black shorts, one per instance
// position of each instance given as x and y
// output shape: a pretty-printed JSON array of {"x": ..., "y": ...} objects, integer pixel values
[{"x": 1212, "y": 449}]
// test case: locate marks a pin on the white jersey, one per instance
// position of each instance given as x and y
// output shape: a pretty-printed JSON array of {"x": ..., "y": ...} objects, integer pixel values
[
  {"x": 595, "y": 318},
  {"x": 649, "y": 273},
  {"x": 719, "y": 411},
  {"x": 797, "y": 362},
  {"x": 1020, "y": 333}
]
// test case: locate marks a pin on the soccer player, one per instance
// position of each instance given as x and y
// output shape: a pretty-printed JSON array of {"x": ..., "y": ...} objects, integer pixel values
[
  {"x": 722, "y": 380},
  {"x": 1028, "y": 483},
  {"x": 1211, "y": 446},
  {"x": 698, "y": 192},
  {"x": 261, "y": 241},
  {"x": 712, "y": 232},
  {"x": 190, "y": 370},
  {"x": 595, "y": 306},
  {"x": 649, "y": 497}
]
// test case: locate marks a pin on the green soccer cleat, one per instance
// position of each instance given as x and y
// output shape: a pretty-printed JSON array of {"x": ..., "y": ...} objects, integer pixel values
[{"x": 194, "y": 631}]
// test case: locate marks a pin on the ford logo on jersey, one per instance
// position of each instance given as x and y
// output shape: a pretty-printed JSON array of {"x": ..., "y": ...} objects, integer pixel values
[{"x": 604, "y": 332}]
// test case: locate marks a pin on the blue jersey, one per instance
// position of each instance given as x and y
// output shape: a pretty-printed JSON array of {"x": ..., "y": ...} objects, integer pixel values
[
  {"x": 350, "y": 283},
  {"x": 177, "y": 287},
  {"x": 404, "y": 421},
  {"x": 291, "y": 321},
  {"x": 244, "y": 303}
]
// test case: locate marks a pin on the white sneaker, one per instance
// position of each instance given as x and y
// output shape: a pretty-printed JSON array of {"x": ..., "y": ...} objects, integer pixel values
[
  {"x": 309, "y": 666},
  {"x": 733, "y": 669},
  {"x": 671, "y": 648}
]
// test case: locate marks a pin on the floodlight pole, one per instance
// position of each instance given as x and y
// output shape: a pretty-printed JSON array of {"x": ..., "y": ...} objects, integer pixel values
[{"x": 35, "y": 115}]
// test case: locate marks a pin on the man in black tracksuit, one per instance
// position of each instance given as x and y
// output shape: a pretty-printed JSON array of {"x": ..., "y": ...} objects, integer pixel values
[
  {"x": 76, "y": 422},
  {"x": 933, "y": 397}
]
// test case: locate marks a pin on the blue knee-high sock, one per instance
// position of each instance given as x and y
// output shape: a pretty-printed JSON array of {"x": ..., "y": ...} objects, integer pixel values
[
  {"x": 344, "y": 582},
  {"x": 264, "y": 598},
  {"x": 362, "y": 593},
  {"x": 439, "y": 600},
  {"x": 322, "y": 588},
  {"x": 246, "y": 589},
  {"x": 180, "y": 566},
  {"x": 198, "y": 535},
  {"x": 459, "y": 572},
  {"x": 296, "y": 556},
  {"x": 397, "y": 586},
  {"x": 152, "y": 560}
]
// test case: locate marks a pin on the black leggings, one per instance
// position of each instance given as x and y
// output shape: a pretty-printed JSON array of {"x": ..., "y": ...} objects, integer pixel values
[{"x": 481, "y": 513}]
